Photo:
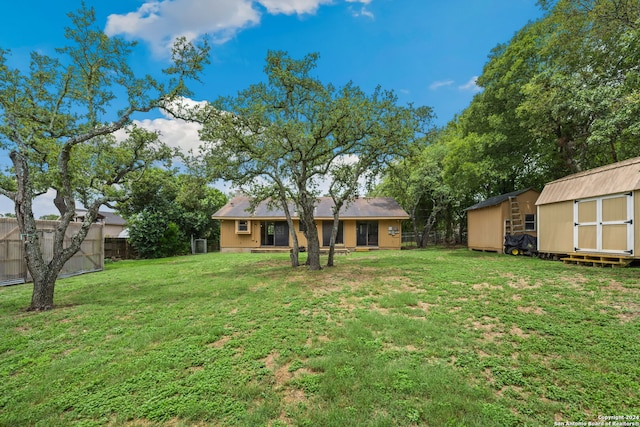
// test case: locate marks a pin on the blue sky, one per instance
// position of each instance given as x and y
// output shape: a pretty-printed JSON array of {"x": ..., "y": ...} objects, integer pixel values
[{"x": 429, "y": 52}]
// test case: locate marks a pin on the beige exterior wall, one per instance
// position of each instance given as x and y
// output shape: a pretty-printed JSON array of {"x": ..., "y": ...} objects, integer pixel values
[
  {"x": 527, "y": 202},
  {"x": 233, "y": 241},
  {"x": 636, "y": 226},
  {"x": 230, "y": 241},
  {"x": 486, "y": 228},
  {"x": 112, "y": 230},
  {"x": 555, "y": 223},
  {"x": 393, "y": 239}
]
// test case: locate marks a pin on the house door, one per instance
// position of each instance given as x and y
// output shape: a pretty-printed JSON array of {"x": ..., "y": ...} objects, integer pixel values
[
  {"x": 274, "y": 233},
  {"x": 367, "y": 233},
  {"x": 604, "y": 224}
]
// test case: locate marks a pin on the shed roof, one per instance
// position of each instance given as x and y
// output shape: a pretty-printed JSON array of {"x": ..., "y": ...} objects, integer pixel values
[
  {"x": 362, "y": 207},
  {"x": 496, "y": 200},
  {"x": 615, "y": 178}
]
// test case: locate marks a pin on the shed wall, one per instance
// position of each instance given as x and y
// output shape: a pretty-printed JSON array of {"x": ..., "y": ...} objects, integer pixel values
[
  {"x": 486, "y": 228},
  {"x": 555, "y": 228},
  {"x": 527, "y": 202},
  {"x": 636, "y": 227}
]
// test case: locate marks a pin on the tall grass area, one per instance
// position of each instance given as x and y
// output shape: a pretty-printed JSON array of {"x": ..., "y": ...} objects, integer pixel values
[{"x": 392, "y": 338}]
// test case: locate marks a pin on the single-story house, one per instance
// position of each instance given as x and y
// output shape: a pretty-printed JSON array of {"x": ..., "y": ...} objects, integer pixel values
[
  {"x": 489, "y": 221},
  {"x": 366, "y": 223},
  {"x": 113, "y": 224},
  {"x": 592, "y": 212}
]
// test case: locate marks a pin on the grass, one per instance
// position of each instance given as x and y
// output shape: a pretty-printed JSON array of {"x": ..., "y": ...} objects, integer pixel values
[{"x": 431, "y": 337}]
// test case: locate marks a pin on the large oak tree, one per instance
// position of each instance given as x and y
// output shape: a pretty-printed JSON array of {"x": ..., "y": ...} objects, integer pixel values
[
  {"x": 57, "y": 122},
  {"x": 293, "y": 134}
]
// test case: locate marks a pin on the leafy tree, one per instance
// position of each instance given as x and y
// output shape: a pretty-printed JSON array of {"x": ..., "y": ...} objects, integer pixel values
[
  {"x": 417, "y": 183},
  {"x": 560, "y": 97},
  {"x": 154, "y": 235},
  {"x": 586, "y": 95},
  {"x": 373, "y": 159},
  {"x": 291, "y": 133},
  {"x": 58, "y": 122},
  {"x": 166, "y": 209}
]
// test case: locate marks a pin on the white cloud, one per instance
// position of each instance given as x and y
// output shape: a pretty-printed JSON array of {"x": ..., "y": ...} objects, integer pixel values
[
  {"x": 363, "y": 10},
  {"x": 290, "y": 7},
  {"x": 471, "y": 85},
  {"x": 176, "y": 133},
  {"x": 160, "y": 22},
  {"x": 441, "y": 83}
]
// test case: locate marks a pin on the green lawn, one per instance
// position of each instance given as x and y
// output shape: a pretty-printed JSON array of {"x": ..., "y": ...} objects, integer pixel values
[{"x": 435, "y": 338}]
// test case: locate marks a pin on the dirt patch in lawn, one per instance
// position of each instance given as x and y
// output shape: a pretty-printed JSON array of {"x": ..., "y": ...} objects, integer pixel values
[
  {"x": 485, "y": 285},
  {"x": 531, "y": 310},
  {"x": 491, "y": 328}
]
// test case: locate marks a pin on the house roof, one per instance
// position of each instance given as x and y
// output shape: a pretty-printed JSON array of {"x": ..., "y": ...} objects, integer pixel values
[
  {"x": 362, "y": 207},
  {"x": 615, "y": 178},
  {"x": 110, "y": 218},
  {"x": 496, "y": 200}
]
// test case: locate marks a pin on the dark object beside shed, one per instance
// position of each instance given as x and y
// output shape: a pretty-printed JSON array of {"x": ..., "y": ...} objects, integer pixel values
[{"x": 520, "y": 244}]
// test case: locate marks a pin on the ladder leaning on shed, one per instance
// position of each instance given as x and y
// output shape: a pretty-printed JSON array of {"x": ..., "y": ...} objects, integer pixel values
[{"x": 514, "y": 224}]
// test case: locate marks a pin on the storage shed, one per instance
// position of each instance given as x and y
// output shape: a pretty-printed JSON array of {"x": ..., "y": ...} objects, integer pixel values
[
  {"x": 489, "y": 221},
  {"x": 592, "y": 212}
]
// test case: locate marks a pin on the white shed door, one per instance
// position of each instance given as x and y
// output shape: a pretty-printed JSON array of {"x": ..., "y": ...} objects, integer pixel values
[{"x": 604, "y": 224}]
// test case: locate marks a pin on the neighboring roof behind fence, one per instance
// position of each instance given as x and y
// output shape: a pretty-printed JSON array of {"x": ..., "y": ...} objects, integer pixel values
[
  {"x": 496, "y": 200},
  {"x": 110, "y": 218},
  {"x": 362, "y": 207},
  {"x": 615, "y": 178}
]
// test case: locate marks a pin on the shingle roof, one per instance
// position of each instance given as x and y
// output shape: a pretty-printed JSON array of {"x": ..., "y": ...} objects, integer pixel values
[
  {"x": 496, "y": 200},
  {"x": 615, "y": 178},
  {"x": 110, "y": 218},
  {"x": 362, "y": 207}
]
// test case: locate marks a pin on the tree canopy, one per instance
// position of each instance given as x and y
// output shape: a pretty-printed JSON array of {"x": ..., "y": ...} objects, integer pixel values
[
  {"x": 562, "y": 96},
  {"x": 288, "y": 137},
  {"x": 167, "y": 209},
  {"x": 58, "y": 124}
]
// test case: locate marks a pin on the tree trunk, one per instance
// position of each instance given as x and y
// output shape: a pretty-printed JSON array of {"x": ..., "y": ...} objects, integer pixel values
[
  {"x": 308, "y": 205},
  {"x": 313, "y": 247},
  {"x": 426, "y": 230},
  {"x": 414, "y": 223},
  {"x": 295, "y": 251},
  {"x": 45, "y": 272},
  {"x": 42, "y": 297},
  {"x": 334, "y": 235}
]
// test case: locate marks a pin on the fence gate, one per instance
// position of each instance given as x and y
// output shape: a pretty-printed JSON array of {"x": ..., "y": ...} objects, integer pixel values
[{"x": 13, "y": 267}]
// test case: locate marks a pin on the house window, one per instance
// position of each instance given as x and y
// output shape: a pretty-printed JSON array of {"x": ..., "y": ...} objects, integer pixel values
[
  {"x": 243, "y": 227},
  {"x": 327, "y": 227},
  {"x": 530, "y": 222}
]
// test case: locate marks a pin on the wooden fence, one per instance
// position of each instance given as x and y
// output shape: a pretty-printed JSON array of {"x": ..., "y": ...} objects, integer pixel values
[
  {"x": 118, "y": 248},
  {"x": 13, "y": 267}
]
